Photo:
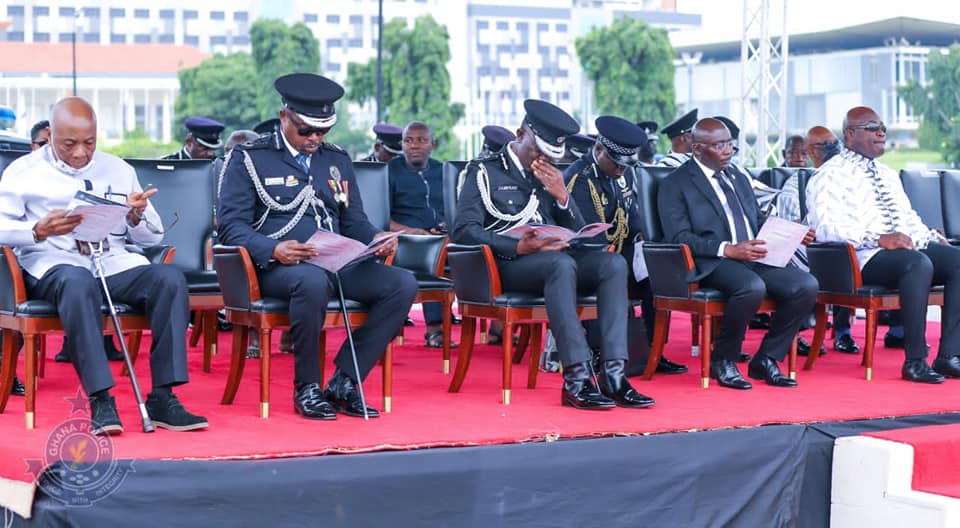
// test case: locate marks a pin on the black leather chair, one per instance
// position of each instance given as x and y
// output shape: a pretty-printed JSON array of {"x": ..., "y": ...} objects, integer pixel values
[
  {"x": 923, "y": 188},
  {"x": 373, "y": 180},
  {"x": 776, "y": 176},
  {"x": 480, "y": 295},
  {"x": 836, "y": 267},
  {"x": 950, "y": 196},
  {"x": 248, "y": 311},
  {"x": 34, "y": 319},
  {"x": 670, "y": 267},
  {"x": 451, "y": 177},
  {"x": 186, "y": 192}
]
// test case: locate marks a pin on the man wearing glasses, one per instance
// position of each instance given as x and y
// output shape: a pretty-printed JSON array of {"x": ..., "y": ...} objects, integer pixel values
[
  {"x": 854, "y": 199},
  {"x": 39, "y": 134},
  {"x": 711, "y": 208},
  {"x": 277, "y": 192}
]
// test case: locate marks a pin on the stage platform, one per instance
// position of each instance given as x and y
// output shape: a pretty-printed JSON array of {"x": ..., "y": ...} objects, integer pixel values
[{"x": 503, "y": 465}]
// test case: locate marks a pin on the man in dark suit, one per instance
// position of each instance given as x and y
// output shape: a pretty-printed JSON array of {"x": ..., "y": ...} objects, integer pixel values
[
  {"x": 520, "y": 185},
  {"x": 202, "y": 141},
  {"x": 710, "y": 208},
  {"x": 277, "y": 192},
  {"x": 387, "y": 145},
  {"x": 602, "y": 185}
]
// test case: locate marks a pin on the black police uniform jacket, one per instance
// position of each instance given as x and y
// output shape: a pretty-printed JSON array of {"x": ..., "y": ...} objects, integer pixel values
[
  {"x": 509, "y": 190},
  {"x": 179, "y": 155},
  {"x": 283, "y": 179},
  {"x": 613, "y": 194}
]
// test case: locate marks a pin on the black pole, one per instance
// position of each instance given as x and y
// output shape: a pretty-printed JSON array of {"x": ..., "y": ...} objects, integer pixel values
[
  {"x": 74, "y": 46},
  {"x": 379, "y": 59}
]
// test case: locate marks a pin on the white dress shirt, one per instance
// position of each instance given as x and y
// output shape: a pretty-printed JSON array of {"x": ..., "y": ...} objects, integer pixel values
[
  {"x": 715, "y": 185},
  {"x": 32, "y": 186},
  {"x": 843, "y": 206}
]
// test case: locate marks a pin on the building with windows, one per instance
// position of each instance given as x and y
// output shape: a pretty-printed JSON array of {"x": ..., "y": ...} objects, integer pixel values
[{"x": 828, "y": 73}]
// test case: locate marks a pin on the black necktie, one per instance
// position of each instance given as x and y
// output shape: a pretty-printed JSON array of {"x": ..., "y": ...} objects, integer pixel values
[{"x": 740, "y": 226}]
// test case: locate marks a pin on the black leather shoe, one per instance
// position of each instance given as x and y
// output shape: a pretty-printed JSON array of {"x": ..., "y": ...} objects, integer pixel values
[
  {"x": 408, "y": 322},
  {"x": 892, "y": 341},
  {"x": 103, "y": 415},
  {"x": 743, "y": 357},
  {"x": 343, "y": 395},
  {"x": 765, "y": 368},
  {"x": 727, "y": 375},
  {"x": 846, "y": 344},
  {"x": 760, "y": 321},
  {"x": 62, "y": 357},
  {"x": 614, "y": 385},
  {"x": 665, "y": 366},
  {"x": 308, "y": 402},
  {"x": 949, "y": 367},
  {"x": 917, "y": 370},
  {"x": 18, "y": 389},
  {"x": 455, "y": 320},
  {"x": 803, "y": 347},
  {"x": 580, "y": 392}
]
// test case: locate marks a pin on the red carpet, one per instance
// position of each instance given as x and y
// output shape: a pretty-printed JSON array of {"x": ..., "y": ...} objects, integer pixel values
[
  {"x": 425, "y": 415},
  {"x": 936, "y": 466}
]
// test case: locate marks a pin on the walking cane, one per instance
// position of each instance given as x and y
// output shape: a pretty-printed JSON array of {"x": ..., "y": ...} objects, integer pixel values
[{"x": 96, "y": 251}]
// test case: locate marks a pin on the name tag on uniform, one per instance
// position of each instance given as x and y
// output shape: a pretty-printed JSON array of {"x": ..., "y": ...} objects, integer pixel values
[
  {"x": 507, "y": 188},
  {"x": 273, "y": 181},
  {"x": 292, "y": 181}
]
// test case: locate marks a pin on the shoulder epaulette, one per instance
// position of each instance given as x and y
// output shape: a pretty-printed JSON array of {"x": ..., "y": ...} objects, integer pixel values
[
  {"x": 333, "y": 148},
  {"x": 263, "y": 142}
]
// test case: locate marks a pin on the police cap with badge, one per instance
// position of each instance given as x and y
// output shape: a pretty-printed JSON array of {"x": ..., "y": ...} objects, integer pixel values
[
  {"x": 267, "y": 126},
  {"x": 550, "y": 125},
  {"x": 731, "y": 126},
  {"x": 580, "y": 144},
  {"x": 680, "y": 125},
  {"x": 205, "y": 131},
  {"x": 310, "y": 97},
  {"x": 390, "y": 137},
  {"x": 620, "y": 138},
  {"x": 495, "y": 137}
]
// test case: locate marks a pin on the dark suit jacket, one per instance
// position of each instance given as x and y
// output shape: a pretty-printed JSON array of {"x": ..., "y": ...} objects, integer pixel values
[{"x": 691, "y": 213}]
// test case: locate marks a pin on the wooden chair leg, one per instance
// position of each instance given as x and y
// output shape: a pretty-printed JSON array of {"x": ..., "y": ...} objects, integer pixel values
[
  {"x": 209, "y": 318},
  {"x": 198, "y": 327},
  {"x": 695, "y": 330},
  {"x": 30, "y": 380},
  {"x": 467, "y": 331},
  {"x": 536, "y": 348},
  {"x": 9, "y": 366},
  {"x": 508, "y": 327},
  {"x": 522, "y": 342},
  {"x": 818, "y": 334},
  {"x": 388, "y": 378},
  {"x": 870, "y": 344},
  {"x": 792, "y": 357},
  {"x": 238, "y": 357},
  {"x": 133, "y": 347},
  {"x": 447, "y": 324},
  {"x": 41, "y": 355},
  {"x": 483, "y": 331},
  {"x": 705, "y": 336},
  {"x": 265, "y": 372},
  {"x": 662, "y": 320}
]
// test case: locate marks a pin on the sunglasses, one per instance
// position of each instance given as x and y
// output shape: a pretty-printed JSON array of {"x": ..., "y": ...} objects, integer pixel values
[
  {"x": 872, "y": 127},
  {"x": 39, "y": 143},
  {"x": 303, "y": 130}
]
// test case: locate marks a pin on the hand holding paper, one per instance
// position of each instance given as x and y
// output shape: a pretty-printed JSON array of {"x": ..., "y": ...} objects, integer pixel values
[
  {"x": 334, "y": 252},
  {"x": 782, "y": 238},
  {"x": 559, "y": 232}
]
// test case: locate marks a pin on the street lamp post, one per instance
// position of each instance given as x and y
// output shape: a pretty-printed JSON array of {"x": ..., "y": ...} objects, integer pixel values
[{"x": 73, "y": 39}]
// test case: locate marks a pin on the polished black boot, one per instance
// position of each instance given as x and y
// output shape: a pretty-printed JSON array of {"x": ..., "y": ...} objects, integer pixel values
[
  {"x": 342, "y": 393},
  {"x": 614, "y": 385},
  {"x": 579, "y": 390}
]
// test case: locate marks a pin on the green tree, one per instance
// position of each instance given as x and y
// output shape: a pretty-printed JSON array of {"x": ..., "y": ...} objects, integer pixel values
[
  {"x": 631, "y": 66},
  {"x": 278, "y": 50},
  {"x": 218, "y": 88},
  {"x": 937, "y": 103},
  {"x": 416, "y": 83},
  {"x": 137, "y": 144}
]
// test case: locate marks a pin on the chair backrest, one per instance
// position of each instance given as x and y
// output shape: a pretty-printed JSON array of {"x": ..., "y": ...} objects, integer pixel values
[
  {"x": 451, "y": 177},
  {"x": 776, "y": 176},
  {"x": 373, "y": 180},
  {"x": 419, "y": 253},
  {"x": 950, "y": 193},
  {"x": 472, "y": 280},
  {"x": 12, "y": 291},
  {"x": 235, "y": 274},
  {"x": 923, "y": 190},
  {"x": 185, "y": 191},
  {"x": 755, "y": 172},
  {"x": 669, "y": 266},
  {"x": 647, "y": 180},
  {"x": 7, "y": 157},
  {"x": 835, "y": 265},
  {"x": 803, "y": 176}
]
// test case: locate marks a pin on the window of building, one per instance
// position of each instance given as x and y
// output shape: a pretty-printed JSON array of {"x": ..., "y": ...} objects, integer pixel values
[
  {"x": 333, "y": 19},
  {"x": 63, "y": 11},
  {"x": 241, "y": 16},
  {"x": 191, "y": 14},
  {"x": 91, "y": 12},
  {"x": 216, "y": 15},
  {"x": 241, "y": 40},
  {"x": 502, "y": 26},
  {"x": 334, "y": 43},
  {"x": 16, "y": 10},
  {"x": 310, "y": 18},
  {"x": 191, "y": 40},
  {"x": 91, "y": 37},
  {"x": 561, "y": 28},
  {"x": 14, "y": 36},
  {"x": 165, "y": 38},
  {"x": 117, "y": 12},
  {"x": 65, "y": 37},
  {"x": 39, "y": 11},
  {"x": 356, "y": 20},
  {"x": 41, "y": 37},
  {"x": 543, "y": 27},
  {"x": 118, "y": 38},
  {"x": 483, "y": 24},
  {"x": 166, "y": 14},
  {"x": 141, "y": 38},
  {"x": 141, "y": 13},
  {"x": 333, "y": 67},
  {"x": 355, "y": 43},
  {"x": 218, "y": 40}
]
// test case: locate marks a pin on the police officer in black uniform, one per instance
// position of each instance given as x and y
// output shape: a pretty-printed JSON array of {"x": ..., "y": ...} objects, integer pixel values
[
  {"x": 520, "y": 185},
  {"x": 681, "y": 140},
  {"x": 647, "y": 152},
  {"x": 388, "y": 144},
  {"x": 602, "y": 185},
  {"x": 202, "y": 141},
  {"x": 277, "y": 192},
  {"x": 494, "y": 138}
]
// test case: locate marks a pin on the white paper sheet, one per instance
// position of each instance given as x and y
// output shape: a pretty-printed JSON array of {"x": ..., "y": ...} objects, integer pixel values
[
  {"x": 782, "y": 238},
  {"x": 337, "y": 251},
  {"x": 550, "y": 231},
  {"x": 98, "y": 221}
]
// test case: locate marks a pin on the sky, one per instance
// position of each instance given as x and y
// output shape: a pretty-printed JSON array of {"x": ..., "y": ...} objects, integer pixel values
[{"x": 723, "y": 19}]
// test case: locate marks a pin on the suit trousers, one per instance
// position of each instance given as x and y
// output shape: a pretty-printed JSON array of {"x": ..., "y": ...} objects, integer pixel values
[
  {"x": 913, "y": 272},
  {"x": 559, "y": 276},
  {"x": 160, "y": 291},
  {"x": 746, "y": 284},
  {"x": 387, "y": 293}
]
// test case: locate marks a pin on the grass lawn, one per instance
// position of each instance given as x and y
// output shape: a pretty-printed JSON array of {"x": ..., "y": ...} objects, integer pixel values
[{"x": 910, "y": 158}]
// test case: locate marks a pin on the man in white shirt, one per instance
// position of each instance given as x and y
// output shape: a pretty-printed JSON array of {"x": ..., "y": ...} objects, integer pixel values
[
  {"x": 36, "y": 192},
  {"x": 854, "y": 199}
]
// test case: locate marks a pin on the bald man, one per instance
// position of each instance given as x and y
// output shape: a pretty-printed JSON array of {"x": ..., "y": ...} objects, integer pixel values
[
  {"x": 855, "y": 199},
  {"x": 710, "y": 208},
  {"x": 36, "y": 192},
  {"x": 822, "y": 145}
]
